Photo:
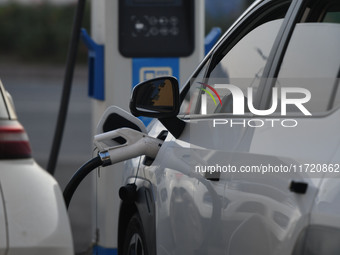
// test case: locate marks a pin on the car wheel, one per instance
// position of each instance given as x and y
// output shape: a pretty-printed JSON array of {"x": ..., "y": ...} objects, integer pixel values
[{"x": 134, "y": 243}]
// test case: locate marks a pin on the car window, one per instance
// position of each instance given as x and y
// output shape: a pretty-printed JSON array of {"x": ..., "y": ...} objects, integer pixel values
[
  {"x": 332, "y": 17},
  {"x": 191, "y": 100},
  {"x": 312, "y": 62},
  {"x": 239, "y": 63}
]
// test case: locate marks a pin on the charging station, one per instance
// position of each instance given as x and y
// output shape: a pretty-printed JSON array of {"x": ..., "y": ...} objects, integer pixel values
[{"x": 132, "y": 41}]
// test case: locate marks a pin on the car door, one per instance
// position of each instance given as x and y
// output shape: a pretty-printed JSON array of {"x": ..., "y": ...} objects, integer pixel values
[
  {"x": 256, "y": 212},
  {"x": 271, "y": 166}
]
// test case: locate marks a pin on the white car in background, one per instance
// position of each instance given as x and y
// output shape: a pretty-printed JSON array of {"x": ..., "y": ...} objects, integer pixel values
[
  {"x": 277, "y": 50},
  {"x": 33, "y": 216}
]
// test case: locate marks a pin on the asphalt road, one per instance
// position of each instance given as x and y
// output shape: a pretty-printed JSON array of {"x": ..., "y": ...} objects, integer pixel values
[{"x": 36, "y": 91}]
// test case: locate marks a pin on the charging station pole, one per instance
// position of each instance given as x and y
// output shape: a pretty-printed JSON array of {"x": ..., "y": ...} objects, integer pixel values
[{"x": 132, "y": 41}]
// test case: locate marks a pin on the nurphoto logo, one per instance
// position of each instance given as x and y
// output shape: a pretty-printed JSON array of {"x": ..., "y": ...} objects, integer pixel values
[{"x": 240, "y": 100}]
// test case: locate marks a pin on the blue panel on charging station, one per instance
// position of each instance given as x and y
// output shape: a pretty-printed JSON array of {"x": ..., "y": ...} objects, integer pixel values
[
  {"x": 98, "y": 250},
  {"x": 148, "y": 68},
  {"x": 95, "y": 66}
]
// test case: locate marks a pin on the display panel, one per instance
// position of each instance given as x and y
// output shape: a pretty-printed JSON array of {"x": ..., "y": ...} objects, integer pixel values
[{"x": 156, "y": 28}]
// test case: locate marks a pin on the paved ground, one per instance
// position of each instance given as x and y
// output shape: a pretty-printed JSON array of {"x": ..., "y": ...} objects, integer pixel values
[{"x": 36, "y": 91}]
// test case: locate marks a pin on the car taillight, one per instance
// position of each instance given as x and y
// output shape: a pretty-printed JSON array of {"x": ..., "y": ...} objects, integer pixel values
[{"x": 14, "y": 143}]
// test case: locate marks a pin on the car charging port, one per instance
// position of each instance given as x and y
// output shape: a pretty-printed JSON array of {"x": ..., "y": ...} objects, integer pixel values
[{"x": 128, "y": 193}]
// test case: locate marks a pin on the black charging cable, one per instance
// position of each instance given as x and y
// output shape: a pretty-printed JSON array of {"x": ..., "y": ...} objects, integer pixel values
[
  {"x": 77, "y": 178},
  {"x": 65, "y": 99}
]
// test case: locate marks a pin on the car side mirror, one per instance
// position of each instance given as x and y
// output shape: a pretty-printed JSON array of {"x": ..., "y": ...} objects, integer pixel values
[
  {"x": 156, "y": 98},
  {"x": 159, "y": 98}
]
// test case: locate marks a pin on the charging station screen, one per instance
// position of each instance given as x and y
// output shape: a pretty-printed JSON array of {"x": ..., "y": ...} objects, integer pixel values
[{"x": 156, "y": 28}]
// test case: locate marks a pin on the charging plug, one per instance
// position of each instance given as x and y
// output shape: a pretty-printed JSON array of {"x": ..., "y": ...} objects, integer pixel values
[{"x": 125, "y": 143}]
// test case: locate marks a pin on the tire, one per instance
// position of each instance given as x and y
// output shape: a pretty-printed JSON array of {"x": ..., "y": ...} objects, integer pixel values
[{"x": 134, "y": 242}]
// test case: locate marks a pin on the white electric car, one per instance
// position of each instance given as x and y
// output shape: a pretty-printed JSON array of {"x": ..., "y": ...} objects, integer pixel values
[
  {"x": 33, "y": 216},
  {"x": 250, "y": 163}
]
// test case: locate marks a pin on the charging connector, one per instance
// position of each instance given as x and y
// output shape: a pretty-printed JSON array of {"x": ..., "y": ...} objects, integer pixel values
[{"x": 111, "y": 151}]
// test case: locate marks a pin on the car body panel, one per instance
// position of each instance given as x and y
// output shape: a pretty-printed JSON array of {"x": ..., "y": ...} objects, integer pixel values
[
  {"x": 39, "y": 225},
  {"x": 246, "y": 201}
]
